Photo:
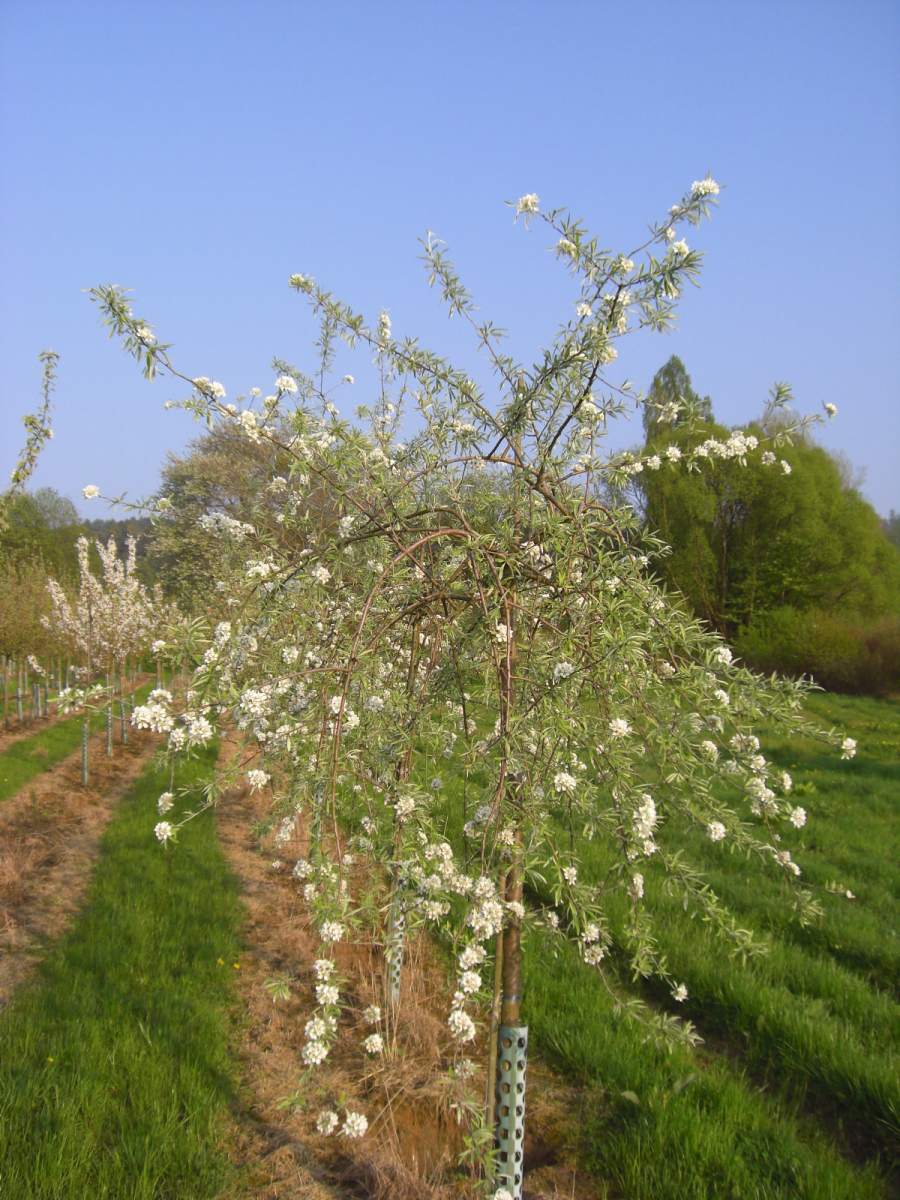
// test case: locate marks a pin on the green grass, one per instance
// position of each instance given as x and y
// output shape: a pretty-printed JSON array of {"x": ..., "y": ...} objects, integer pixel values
[
  {"x": 28, "y": 757},
  {"x": 795, "y": 1093},
  {"x": 672, "y": 1126},
  {"x": 115, "y": 1064}
]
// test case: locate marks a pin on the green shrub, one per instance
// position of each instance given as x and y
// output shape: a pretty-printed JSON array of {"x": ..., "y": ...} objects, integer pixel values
[{"x": 842, "y": 653}]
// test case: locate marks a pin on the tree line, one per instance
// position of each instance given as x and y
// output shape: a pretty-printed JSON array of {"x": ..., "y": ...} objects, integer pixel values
[{"x": 791, "y": 563}]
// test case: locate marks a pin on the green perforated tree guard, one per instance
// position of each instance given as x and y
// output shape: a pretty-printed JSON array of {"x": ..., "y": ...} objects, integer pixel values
[
  {"x": 85, "y": 733},
  {"x": 396, "y": 933},
  {"x": 512, "y": 1054}
]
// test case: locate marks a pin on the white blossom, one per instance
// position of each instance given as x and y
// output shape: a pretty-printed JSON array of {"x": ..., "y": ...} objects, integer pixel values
[
  {"x": 461, "y": 1025},
  {"x": 327, "y": 1122},
  {"x": 355, "y": 1125},
  {"x": 314, "y": 1053},
  {"x": 704, "y": 187},
  {"x": 527, "y": 204},
  {"x": 564, "y": 783}
]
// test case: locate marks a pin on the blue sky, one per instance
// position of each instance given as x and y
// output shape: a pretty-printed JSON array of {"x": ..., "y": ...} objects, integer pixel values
[{"x": 201, "y": 152}]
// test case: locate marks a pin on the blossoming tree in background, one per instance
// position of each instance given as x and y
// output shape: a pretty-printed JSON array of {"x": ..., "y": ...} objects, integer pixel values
[
  {"x": 448, "y": 655},
  {"x": 112, "y": 616}
]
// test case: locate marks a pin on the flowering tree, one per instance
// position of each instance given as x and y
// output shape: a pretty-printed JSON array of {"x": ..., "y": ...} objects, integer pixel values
[
  {"x": 112, "y": 616},
  {"x": 472, "y": 611}
]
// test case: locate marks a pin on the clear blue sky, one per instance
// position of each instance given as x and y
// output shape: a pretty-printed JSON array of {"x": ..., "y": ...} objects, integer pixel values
[{"x": 200, "y": 152}]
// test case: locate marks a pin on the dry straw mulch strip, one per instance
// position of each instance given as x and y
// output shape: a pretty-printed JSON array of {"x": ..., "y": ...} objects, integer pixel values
[{"x": 410, "y": 1149}]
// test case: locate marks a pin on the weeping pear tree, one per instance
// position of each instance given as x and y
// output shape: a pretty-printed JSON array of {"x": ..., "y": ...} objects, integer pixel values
[{"x": 450, "y": 656}]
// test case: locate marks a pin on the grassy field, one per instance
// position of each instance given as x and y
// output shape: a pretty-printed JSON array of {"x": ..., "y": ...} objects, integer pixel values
[
  {"x": 795, "y": 1091},
  {"x": 798, "y": 1083},
  {"x": 115, "y": 1068},
  {"x": 27, "y": 758}
]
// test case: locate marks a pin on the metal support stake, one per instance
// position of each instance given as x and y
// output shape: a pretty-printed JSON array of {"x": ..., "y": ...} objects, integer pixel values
[{"x": 85, "y": 734}]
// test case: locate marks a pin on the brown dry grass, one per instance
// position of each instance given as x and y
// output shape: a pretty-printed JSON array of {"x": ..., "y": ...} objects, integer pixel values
[
  {"x": 49, "y": 835},
  {"x": 414, "y": 1136}
]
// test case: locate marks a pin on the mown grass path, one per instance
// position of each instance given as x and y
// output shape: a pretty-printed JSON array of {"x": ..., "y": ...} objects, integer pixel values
[
  {"x": 29, "y": 756},
  {"x": 115, "y": 1067}
]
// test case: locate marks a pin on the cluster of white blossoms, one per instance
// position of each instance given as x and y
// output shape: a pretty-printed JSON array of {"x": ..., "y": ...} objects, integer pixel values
[
  {"x": 564, "y": 783},
  {"x": 704, "y": 187},
  {"x": 355, "y": 1124},
  {"x": 154, "y": 715},
  {"x": 783, "y": 858},
  {"x": 528, "y": 205},
  {"x": 644, "y": 823},
  {"x": 373, "y": 1044},
  {"x": 211, "y": 388},
  {"x": 225, "y": 526},
  {"x": 320, "y": 1030},
  {"x": 286, "y": 383},
  {"x": 562, "y": 670}
]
